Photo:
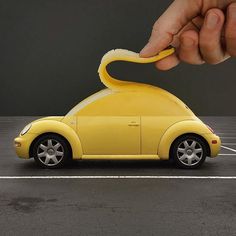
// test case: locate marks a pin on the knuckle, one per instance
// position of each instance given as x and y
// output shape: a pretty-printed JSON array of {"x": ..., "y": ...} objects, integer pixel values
[{"x": 156, "y": 26}]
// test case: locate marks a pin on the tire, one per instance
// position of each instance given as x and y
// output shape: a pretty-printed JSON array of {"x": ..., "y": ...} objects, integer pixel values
[
  {"x": 51, "y": 151},
  {"x": 189, "y": 152}
]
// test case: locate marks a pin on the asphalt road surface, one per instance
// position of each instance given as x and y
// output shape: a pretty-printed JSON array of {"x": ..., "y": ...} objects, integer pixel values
[{"x": 101, "y": 199}]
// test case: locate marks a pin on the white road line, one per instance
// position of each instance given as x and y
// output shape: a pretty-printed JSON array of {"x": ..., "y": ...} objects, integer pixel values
[
  {"x": 226, "y": 154},
  {"x": 219, "y": 133},
  {"x": 228, "y": 148},
  {"x": 228, "y": 137},
  {"x": 233, "y": 144},
  {"x": 119, "y": 177}
]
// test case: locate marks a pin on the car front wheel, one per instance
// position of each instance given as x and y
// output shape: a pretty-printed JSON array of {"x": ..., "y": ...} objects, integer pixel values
[
  {"x": 51, "y": 151},
  {"x": 189, "y": 152}
]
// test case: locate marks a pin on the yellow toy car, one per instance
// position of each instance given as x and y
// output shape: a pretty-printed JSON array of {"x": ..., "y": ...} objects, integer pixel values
[{"x": 125, "y": 121}]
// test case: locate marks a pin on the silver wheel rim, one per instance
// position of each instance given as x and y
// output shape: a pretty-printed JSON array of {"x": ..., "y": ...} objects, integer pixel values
[
  {"x": 190, "y": 152},
  {"x": 50, "y": 152}
]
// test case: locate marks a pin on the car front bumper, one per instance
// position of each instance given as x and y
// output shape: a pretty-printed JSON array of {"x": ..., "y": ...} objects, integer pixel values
[{"x": 22, "y": 145}]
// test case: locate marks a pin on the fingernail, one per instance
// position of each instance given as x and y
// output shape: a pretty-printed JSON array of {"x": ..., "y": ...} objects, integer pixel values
[
  {"x": 212, "y": 20},
  {"x": 188, "y": 42}
]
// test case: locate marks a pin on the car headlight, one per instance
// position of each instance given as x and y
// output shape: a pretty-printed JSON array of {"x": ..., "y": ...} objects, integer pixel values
[{"x": 26, "y": 129}]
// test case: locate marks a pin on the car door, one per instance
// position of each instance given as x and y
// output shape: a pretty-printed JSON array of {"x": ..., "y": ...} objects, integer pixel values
[{"x": 109, "y": 135}]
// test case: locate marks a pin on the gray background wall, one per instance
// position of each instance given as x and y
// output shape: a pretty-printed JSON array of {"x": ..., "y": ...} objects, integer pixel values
[{"x": 50, "y": 52}]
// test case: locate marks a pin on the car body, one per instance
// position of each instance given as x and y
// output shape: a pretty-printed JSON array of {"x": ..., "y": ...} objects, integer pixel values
[
  {"x": 140, "y": 124},
  {"x": 139, "y": 121}
]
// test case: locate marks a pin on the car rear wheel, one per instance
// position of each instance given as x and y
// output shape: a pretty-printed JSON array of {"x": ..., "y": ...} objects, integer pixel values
[
  {"x": 189, "y": 152},
  {"x": 51, "y": 151}
]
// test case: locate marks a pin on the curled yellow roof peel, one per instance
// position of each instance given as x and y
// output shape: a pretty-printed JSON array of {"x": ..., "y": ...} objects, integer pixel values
[{"x": 129, "y": 56}]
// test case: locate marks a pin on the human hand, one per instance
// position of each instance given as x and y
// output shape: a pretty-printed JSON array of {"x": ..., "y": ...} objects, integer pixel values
[{"x": 200, "y": 30}]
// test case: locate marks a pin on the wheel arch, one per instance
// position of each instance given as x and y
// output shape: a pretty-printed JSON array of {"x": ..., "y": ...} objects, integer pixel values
[
  {"x": 208, "y": 150},
  {"x": 186, "y": 127},
  {"x": 44, "y": 134},
  {"x": 58, "y": 128}
]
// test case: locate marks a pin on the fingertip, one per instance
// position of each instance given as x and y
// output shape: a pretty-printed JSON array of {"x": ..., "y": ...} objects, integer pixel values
[
  {"x": 148, "y": 51},
  {"x": 157, "y": 43},
  {"x": 167, "y": 63},
  {"x": 217, "y": 13}
]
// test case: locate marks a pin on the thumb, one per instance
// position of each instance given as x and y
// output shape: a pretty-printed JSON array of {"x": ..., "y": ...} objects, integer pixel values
[{"x": 179, "y": 13}]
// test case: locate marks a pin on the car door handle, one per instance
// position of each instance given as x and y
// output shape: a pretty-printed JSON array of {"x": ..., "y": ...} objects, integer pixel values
[{"x": 133, "y": 123}]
